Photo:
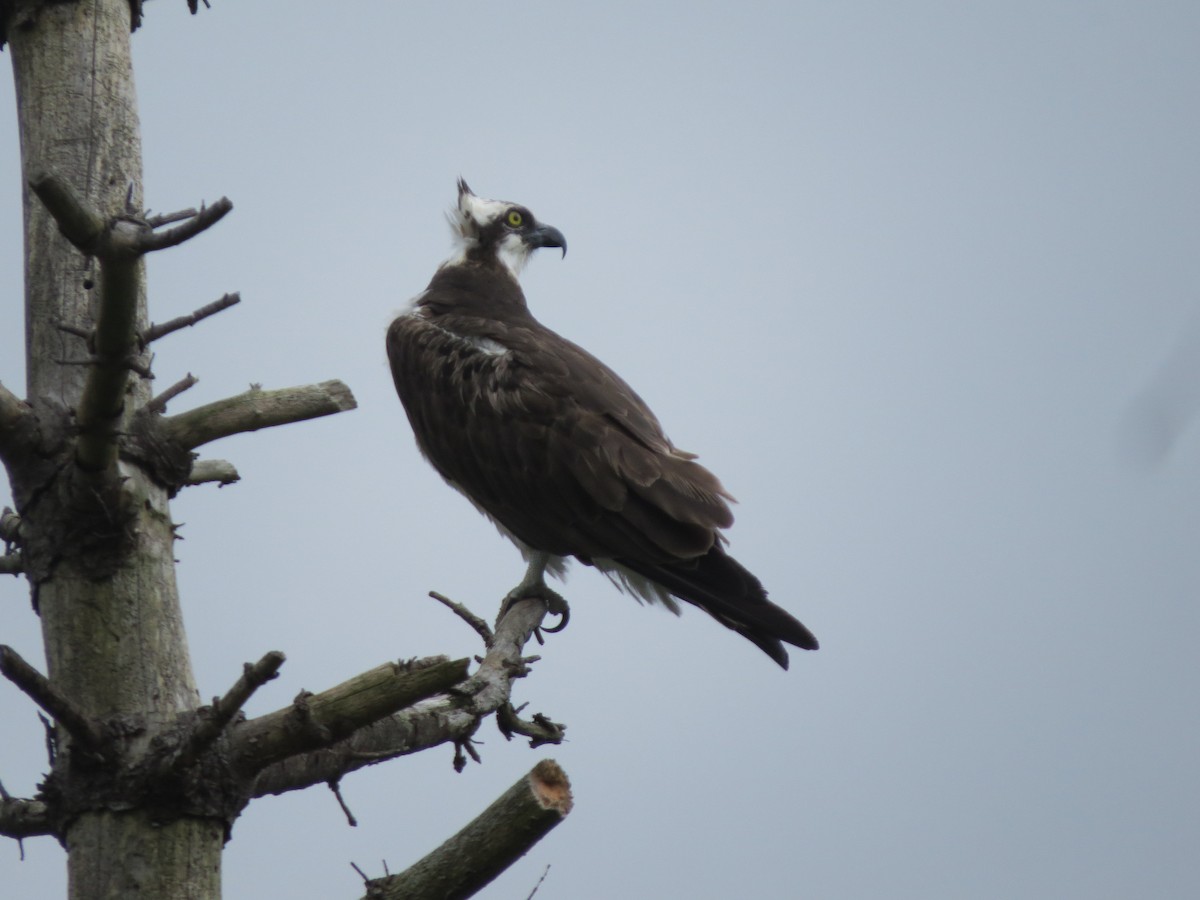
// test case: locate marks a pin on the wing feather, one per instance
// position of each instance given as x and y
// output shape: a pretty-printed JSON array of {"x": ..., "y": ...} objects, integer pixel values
[{"x": 550, "y": 442}]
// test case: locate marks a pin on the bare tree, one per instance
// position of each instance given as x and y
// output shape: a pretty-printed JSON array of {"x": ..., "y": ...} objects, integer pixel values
[{"x": 145, "y": 781}]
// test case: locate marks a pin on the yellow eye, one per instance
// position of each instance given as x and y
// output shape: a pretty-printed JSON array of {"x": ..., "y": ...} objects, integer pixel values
[{"x": 515, "y": 219}]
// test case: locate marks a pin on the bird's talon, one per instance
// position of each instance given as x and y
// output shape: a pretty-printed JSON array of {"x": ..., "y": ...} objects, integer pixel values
[{"x": 564, "y": 614}]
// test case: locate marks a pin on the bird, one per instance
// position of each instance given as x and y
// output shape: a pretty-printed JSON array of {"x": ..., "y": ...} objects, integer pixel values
[{"x": 554, "y": 447}]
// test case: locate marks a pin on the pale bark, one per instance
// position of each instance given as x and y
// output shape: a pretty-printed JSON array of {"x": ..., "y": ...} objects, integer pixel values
[
  {"x": 453, "y": 717},
  {"x": 255, "y": 409},
  {"x": 114, "y": 639}
]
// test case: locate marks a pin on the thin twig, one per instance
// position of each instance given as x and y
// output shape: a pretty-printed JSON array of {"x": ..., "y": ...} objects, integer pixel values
[
  {"x": 207, "y": 217},
  {"x": 38, "y": 688},
  {"x": 159, "y": 403},
  {"x": 158, "y": 221},
  {"x": 481, "y": 627},
  {"x": 154, "y": 332},
  {"x": 460, "y": 761},
  {"x": 253, "y": 677},
  {"x": 540, "y": 729},
  {"x": 224, "y": 709},
  {"x": 336, "y": 787},
  {"x": 51, "y": 739},
  {"x": 539, "y": 883}
]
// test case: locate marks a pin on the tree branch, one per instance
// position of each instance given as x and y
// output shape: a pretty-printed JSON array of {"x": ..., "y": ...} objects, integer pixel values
[
  {"x": 38, "y": 688},
  {"x": 319, "y": 720},
  {"x": 480, "y": 626},
  {"x": 257, "y": 409},
  {"x": 218, "y": 717},
  {"x": 16, "y": 421},
  {"x": 154, "y": 332},
  {"x": 23, "y": 818},
  {"x": 450, "y": 718},
  {"x": 493, "y": 841},
  {"x": 103, "y": 400},
  {"x": 193, "y": 223},
  {"x": 208, "y": 470},
  {"x": 79, "y": 223},
  {"x": 119, "y": 245},
  {"x": 114, "y": 342},
  {"x": 540, "y": 730},
  {"x": 10, "y": 526},
  {"x": 124, "y": 237},
  {"x": 159, "y": 403}
]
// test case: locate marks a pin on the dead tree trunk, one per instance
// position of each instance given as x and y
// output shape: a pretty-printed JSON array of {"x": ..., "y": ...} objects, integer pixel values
[
  {"x": 110, "y": 612},
  {"x": 145, "y": 782}
]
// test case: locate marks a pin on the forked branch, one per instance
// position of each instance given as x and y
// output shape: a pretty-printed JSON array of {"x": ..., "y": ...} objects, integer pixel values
[
  {"x": 452, "y": 717},
  {"x": 118, "y": 244}
]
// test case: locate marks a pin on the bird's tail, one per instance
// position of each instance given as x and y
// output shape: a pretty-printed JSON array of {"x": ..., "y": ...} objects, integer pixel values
[{"x": 727, "y": 591}]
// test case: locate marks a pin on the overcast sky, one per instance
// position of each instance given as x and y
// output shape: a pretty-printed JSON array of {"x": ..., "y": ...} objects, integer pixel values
[{"x": 920, "y": 282}]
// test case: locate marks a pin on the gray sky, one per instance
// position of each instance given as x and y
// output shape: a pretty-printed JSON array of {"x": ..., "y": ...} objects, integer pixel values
[{"x": 918, "y": 281}]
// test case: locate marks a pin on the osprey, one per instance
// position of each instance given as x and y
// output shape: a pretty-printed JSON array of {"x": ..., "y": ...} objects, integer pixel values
[{"x": 554, "y": 448}]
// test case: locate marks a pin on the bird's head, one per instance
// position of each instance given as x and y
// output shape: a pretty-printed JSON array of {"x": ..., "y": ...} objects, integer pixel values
[{"x": 498, "y": 231}]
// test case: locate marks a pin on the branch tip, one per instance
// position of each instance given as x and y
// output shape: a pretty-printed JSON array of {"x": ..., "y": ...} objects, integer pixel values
[
  {"x": 205, "y": 471},
  {"x": 255, "y": 409},
  {"x": 154, "y": 332},
  {"x": 336, "y": 787},
  {"x": 208, "y": 216},
  {"x": 218, "y": 717},
  {"x": 159, "y": 403},
  {"x": 480, "y": 625}
]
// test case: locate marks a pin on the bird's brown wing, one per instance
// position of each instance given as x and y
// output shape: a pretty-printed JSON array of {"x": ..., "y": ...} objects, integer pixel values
[{"x": 551, "y": 442}]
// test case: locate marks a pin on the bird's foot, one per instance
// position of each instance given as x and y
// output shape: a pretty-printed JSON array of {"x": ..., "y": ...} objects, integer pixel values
[{"x": 555, "y": 603}]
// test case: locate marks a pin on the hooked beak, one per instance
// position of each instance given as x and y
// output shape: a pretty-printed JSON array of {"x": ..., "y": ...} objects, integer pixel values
[{"x": 546, "y": 236}]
